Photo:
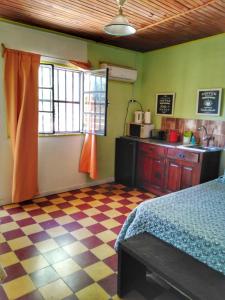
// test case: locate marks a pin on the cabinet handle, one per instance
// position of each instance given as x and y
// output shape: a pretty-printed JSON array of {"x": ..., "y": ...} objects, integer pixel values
[{"x": 181, "y": 155}]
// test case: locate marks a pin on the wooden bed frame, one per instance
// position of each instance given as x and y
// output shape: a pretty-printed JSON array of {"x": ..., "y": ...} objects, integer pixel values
[{"x": 186, "y": 277}]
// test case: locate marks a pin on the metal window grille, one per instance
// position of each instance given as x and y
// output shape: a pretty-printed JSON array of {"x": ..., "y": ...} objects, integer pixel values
[{"x": 61, "y": 93}]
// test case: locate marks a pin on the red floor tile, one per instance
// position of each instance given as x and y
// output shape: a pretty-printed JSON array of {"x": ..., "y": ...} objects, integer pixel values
[{"x": 26, "y": 252}]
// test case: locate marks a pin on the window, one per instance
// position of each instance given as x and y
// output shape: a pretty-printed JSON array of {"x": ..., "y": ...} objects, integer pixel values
[{"x": 72, "y": 101}]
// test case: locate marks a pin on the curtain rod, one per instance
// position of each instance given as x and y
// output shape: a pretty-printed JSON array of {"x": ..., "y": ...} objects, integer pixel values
[{"x": 4, "y": 48}]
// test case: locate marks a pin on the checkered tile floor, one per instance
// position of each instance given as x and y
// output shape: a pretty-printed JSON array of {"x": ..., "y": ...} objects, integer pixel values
[{"x": 61, "y": 246}]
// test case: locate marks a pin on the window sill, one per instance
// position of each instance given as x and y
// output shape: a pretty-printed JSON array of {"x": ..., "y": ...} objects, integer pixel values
[{"x": 59, "y": 134}]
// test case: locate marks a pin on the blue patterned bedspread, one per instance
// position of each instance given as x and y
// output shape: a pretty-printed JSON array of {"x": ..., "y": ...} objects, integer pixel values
[{"x": 192, "y": 220}]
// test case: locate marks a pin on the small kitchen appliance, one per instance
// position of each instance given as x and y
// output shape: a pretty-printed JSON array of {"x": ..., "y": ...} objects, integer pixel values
[
  {"x": 173, "y": 136},
  {"x": 142, "y": 131},
  {"x": 138, "y": 117},
  {"x": 158, "y": 134}
]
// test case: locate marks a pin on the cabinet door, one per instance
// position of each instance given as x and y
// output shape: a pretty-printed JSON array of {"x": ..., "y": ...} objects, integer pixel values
[
  {"x": 186, "y": 177},
  {"x": 156, "y": 178},
  {"x": 173, "y": 176},
  {"x": 143, "y": 169}
]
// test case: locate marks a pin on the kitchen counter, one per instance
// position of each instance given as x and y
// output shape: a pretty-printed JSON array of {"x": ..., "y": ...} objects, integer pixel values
[{"x": 178, "y": 145}]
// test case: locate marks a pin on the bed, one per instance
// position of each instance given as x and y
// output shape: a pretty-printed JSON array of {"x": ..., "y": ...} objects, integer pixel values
[{"x": 193, "y": 220}]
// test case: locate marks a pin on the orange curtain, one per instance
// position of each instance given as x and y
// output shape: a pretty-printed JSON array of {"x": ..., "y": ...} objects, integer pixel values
[
  {"x": 88, "y": 158},
  {"x": 21, "y": 90}
]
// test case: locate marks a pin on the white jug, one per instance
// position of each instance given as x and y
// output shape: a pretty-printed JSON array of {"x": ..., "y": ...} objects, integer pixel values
[{"x": 138, "y": 117}]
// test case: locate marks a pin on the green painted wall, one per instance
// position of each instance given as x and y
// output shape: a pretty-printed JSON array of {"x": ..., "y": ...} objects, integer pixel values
[
  {"x": 183, "y": 69},
  {"x": 119, "y": 93}
]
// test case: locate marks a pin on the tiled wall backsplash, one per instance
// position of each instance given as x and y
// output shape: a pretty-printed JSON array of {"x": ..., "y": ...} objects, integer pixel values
[{"x": 187, "y": 124}]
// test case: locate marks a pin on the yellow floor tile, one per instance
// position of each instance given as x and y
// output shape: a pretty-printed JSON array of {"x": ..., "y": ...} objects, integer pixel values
[
  {"x": 134, "y": 193},
  {"x": 56, "y": 231},
  {"x": 92, "y": 292},
  {"x": 75, "y": 248},
  {"x": 110, "y": 223},
  {"x": 64, "y": 220},
  {"x": 2, "y": 239},
  {"x": 65, "y": 194},
  {"x": 20, "y": 216},
  {"x": 98, "y": 271},
  {"x": 132, "y": 206},
  {"x": 42, "y": 218},
  {"x": 50, "y": 208},
  {"x": 57, "y": 201},
  {"x": 19, "y": 243},
  {"x": 46, "y": 245},
  {"x": 81, "y": 195},
  {"x": 87, "y": 222},
  {"x": 66, "y": 267},
  {"x": 116, "y": 198},
  {"x": 133, "y": 199},
  {"x": 118, "y": 192},
  {"x": 116, "y": 297},
  {"x": 30, "y": 207},
  {"x": 13, "y": 205},
  {"x": 55, "y": 291},
  {"x": 115, "y": 204},
  {"x": 106, "y": 236},
  {"x": 91, "y": 211},
  {"x": 76, "y": 202},
  {"x": 39, "y": 200},
  {"x": 103, "y": 251},
  {"x": 3, "y": 213},
  {"x": 19, "y": 287},
  {"x": 34, "y": 228},
  {"x": 95, "y": 203},
  {"x": 8, "y": 259},
  {"x": 34, "y": 263},
  {"x": 98, "y": 196},
  {"x": 70, "y": 210},
  {"x": 8, "y": 227},
  {"x": 81, "y": 233},
  {"x": 112, "y": 213}
]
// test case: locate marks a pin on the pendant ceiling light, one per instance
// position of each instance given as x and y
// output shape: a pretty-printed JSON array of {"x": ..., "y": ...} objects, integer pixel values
[{"x": 120, "y": 26}]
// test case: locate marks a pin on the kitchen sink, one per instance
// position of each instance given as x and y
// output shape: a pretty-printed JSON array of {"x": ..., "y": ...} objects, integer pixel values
[{"x": 200, "y": 148}]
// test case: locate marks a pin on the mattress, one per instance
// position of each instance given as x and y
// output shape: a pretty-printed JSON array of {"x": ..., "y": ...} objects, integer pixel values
[{"x": 193, "y": 220}]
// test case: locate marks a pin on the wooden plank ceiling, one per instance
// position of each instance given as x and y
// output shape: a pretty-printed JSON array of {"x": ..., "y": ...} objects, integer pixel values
[{"x": 159, "y": 23}]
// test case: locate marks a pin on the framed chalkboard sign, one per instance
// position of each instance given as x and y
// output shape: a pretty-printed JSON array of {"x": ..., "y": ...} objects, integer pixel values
[
  {"x": 165, "y": 104},
  {"x": 209, "y": 102}
]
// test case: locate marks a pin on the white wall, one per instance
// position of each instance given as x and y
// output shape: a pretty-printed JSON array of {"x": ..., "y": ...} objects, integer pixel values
[{"x": 58, "y": 156}]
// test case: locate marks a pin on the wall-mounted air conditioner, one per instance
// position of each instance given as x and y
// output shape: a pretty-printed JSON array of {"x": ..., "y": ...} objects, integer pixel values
[{"x": 120, "y": 73}]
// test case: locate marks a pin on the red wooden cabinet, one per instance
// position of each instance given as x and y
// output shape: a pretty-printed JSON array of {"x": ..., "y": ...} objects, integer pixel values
[
  {"x": 151, "y": 167},
  {"x": 183, "y": 169},
  {"x": 180, "y": 175},
  {"x": 163, "y": 169}
]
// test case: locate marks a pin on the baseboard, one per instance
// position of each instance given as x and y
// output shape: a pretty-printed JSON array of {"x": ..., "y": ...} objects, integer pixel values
[
  {"x": 66, "y": 189},
  {"x": 76, "y": 186}
]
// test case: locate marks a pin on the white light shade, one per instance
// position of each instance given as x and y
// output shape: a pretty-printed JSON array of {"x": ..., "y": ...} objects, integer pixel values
[{"x": 119, "y": 26}]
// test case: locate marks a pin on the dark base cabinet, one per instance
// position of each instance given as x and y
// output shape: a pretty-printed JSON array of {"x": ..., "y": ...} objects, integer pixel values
[
  {"x": 125, "y": 161},
  {"x": 168, "y": 170},
  {"x": 162, "y": 169},
  {"x": 151, "y": 167}
]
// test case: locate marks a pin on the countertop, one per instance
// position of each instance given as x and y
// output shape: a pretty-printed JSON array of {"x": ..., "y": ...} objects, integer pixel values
[{"x": 167, "y": 144}]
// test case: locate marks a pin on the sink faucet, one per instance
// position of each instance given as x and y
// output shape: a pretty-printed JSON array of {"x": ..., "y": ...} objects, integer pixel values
[{"x": 207, "y": 137}]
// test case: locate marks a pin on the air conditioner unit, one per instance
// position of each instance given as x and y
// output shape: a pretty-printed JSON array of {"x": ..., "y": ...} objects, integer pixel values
[{"x": 120, "y": 73}]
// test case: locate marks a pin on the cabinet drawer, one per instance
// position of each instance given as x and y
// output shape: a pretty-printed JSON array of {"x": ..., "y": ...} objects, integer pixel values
[
  {"x": 152, "y": 150},
  {"x": 183, "y": 155}
]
